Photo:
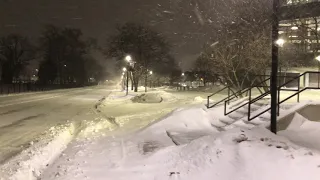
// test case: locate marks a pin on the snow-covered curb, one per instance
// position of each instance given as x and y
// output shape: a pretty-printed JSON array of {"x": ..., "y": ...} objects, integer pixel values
[{"x": 32, "y": 161}]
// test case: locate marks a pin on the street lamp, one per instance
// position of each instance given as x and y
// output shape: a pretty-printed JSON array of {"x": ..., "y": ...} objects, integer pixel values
[
  {"x": 280, "y": 42},
  {"x": 124, "y": 69},
  {"x": 150, "y": 72},
  {"x": 274, "y": 65},
  {"x": 182, "y": 74},
  {"x": 128, "y": 58}
]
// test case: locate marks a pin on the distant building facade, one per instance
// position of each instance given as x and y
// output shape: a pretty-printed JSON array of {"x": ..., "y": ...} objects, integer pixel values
[{"x": 299, "y": 27}]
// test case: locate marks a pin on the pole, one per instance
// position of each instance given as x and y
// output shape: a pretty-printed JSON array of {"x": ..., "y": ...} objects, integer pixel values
[
  {"x": 274, "y": 69},
  {"x": 318, "y": 74},
  {"x": 145, "y": 82},
  {"x": 127, "y": 82},
  {"x": 131, "y": 81}
]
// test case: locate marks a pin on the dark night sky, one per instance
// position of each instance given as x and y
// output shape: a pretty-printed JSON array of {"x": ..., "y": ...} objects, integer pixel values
[{"x": 98, "y": 18}]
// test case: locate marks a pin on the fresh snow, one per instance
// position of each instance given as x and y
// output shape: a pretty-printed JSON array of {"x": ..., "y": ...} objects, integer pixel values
[
  {"x": 185, "y": 145},
  {"x": 138, "y": 137}
]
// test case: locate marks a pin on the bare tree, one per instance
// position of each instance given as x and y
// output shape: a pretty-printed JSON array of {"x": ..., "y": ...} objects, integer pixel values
[
  {"x": 146, "y": 47},
  {"x": 16, "y": 52},
  {"x": 240, "y": 51}
]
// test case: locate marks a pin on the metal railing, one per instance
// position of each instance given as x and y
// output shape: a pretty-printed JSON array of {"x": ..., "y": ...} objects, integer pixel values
[
  {"x": 223, "y": 89},
  {"x": 246, "y": 90},
  {"x": 297, "y": 93},
  {"x": 234, "y": 95}
]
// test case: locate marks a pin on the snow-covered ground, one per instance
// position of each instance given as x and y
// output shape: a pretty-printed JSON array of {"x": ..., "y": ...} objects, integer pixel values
[
  {"x": 167, "y": 134},
  {"x": 24, "y": 117},
  {"x": 182, "y": 145},
  {"x": 27, "y": 134}
]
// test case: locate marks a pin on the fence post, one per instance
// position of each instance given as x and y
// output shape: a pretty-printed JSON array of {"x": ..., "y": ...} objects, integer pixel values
[
  {"x": 225, "y": 108},
  {"x": 228, "y": 95},
  {"x": 278, "y": 107},
  {"x": 298, "y": 96}
]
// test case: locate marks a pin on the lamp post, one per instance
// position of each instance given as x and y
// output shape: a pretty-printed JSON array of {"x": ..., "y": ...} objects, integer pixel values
[
  {"x": 318, "y": 59},
  {"x": 125, "y": 70},
  {"x": 150, "y": 75},
  {"x": 280, "y": 42},
  {"x": 130, "y": 65},
  {"x": 274, "y": 68}
]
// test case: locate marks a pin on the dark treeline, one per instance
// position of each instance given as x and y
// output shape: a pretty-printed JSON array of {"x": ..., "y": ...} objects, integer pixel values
[{"x": 62, "y": 54}]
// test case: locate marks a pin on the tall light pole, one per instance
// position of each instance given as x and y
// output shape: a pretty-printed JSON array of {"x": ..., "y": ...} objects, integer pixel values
[
  {"x": 274, "y": 68},
  {"x": 130, "y": 65},
  {"x": 150, "y": 75},
  {"x": 125, "y": 70}
]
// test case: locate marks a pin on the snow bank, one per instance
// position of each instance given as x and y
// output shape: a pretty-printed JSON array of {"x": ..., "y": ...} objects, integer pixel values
[
  {"x": 153, "y": 97},
  {"x": 30, "y": 162},
  {"x": 185, "y": 145},
  {"x": 303, "y": 132},
  {"x": 190, "y": 119},
  {"x": 235, "y": 154}
]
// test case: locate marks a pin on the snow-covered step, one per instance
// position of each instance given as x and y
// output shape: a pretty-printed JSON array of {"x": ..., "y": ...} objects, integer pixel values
[
  {"x": 227, "y": 120},
  {"x": 218, "y": 123},
  {"x": 236, "y": 115},
  {"x": 180, "y": 138},
  {"x": 243, "y": 110},
  {"x": 240, "y": 124}
]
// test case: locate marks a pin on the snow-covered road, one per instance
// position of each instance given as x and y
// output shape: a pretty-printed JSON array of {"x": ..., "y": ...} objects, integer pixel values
[{"x": 24, "y": 117}]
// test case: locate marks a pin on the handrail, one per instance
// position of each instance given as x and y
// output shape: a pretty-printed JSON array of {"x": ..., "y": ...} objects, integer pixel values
[
  {"x": 254, "y": 86},
  {"x": 227, "y": 87},
  {"x": 251, "y": 118},
  {"x": 297, "y": 93},
  {"x": 218, "y": 91},
  {"x": 244, "y": 91}
]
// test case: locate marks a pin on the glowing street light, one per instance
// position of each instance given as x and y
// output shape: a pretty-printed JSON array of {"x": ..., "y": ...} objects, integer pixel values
[
  {"x": 151, "y": 72},
  {"x": 124, "y": 69},
  {"x": 128, "y": 58},
  {"x": 280, "y": 42},
  {"x": 182, "y": 74}
]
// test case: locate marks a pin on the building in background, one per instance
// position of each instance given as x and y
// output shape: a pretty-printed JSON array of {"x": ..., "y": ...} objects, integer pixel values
[{"x": 299, "y": 27}]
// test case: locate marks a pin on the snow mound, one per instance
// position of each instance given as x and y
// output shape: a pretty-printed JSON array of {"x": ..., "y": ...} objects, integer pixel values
[
  {"x": 32, "y": 161},
  {"x": 199, "y": 99},
  {"x": 153, "y": 97},
  {"x": 236, "y": 154},
  {"x": 303, "y": 132}
]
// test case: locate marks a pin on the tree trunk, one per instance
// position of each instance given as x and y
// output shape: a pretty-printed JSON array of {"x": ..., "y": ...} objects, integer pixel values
[
  {"x": 131, "y": 81},
  {"x": 136, "y": 86},
  {"x": 146, "y": 82}
]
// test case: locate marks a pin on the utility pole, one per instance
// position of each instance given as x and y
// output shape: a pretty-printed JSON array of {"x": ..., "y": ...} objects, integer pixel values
[{"x": 274, "y": 68}]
